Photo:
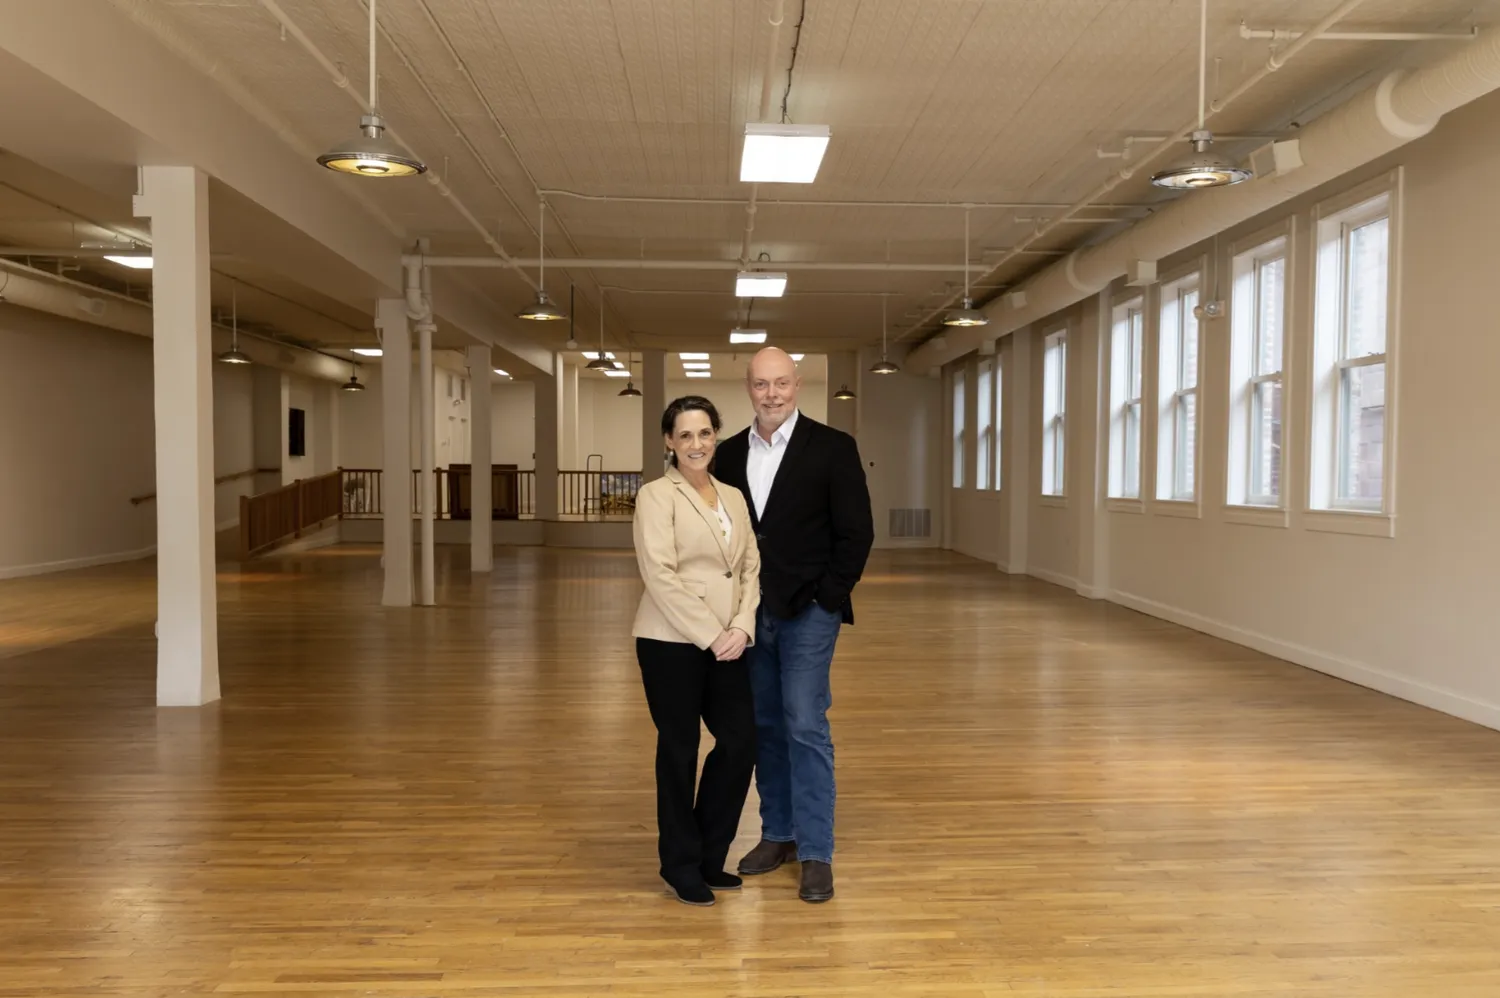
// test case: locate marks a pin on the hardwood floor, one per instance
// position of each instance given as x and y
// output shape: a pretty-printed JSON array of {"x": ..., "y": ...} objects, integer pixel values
[{"x": 1038, "y": 796}]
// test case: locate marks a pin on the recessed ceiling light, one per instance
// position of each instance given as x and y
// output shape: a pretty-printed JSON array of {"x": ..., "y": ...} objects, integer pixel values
[
  {"x": 698, "y": 374},
  {"x": 617, "y": 374},
  {"x": 693, "y": 356},
  {"x": 503, "y": 374},
  {"x": 367, "y": 351},
  {"x": 747, "y": 336},
  {"x": 696, "y": 365},
  {"x": 133, "y": 262},
  {"x": 782, "y": 154},
  {"x": 753, "y": 284}
]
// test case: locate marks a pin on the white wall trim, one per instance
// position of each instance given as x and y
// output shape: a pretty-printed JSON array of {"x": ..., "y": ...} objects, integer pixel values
[
  {"x": 1359, "y": 673},
  {"x": 1056, "y": 578},
  {"x": 93, "y": 561}
]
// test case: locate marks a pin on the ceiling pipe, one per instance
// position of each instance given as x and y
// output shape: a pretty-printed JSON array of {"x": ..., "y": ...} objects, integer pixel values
[
  {"x": 633, "y": 263},
  {"x": 1272, "y": 65},
  {"x": 1402, "y": 107},
  {"x": 1285, "y": 35},
  {"x": 778, "y": 15},
  {"x": 811, "y": 203}
]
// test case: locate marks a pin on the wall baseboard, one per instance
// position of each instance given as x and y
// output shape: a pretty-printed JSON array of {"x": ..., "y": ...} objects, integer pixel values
[
  {"x": 1056, "y": 578},
  {"x": 93, "y": 561},
  {"x": 1436, "y": 697}
]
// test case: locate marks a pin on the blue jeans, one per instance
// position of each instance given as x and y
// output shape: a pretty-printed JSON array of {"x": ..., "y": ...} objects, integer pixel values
[{"x": 789, "y": 665}]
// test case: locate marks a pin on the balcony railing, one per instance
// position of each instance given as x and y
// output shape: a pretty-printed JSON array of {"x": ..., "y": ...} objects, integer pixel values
[
  {"x": 284, "y": 513},
  {"x": 586, "y": 495}
]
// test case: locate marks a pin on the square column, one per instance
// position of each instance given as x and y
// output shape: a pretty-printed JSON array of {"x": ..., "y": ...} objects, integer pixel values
[
  {"x": 175, "y": 198},
  {"x": 549, "y": 422},
  {"x": 653, "y": 404},
  {"x": 481, "y": 502},
  {"x": 1018, "y": 453},
  {"x": 396, "y": 484}
]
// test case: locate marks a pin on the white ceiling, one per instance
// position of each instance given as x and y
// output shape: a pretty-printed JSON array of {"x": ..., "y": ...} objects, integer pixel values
[{"x": 929, "y": 101}]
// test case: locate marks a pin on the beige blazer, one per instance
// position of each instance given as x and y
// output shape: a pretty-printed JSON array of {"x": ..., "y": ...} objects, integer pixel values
[{"x": 697, "y": 586}]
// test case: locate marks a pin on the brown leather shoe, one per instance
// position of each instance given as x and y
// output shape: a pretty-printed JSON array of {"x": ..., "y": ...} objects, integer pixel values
[
  {"x": 767, "y": 856},
  {"x": 817, "y": 882}
]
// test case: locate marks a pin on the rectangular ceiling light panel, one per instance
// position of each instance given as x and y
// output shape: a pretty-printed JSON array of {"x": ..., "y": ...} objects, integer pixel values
[
  {"x": 782, "y": 154},
  {"x": 754, "y": 284},
  {"x": 747, "y": 336}
]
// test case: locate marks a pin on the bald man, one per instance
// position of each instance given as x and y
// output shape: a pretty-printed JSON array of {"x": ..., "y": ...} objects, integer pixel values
[{"x": 810, "y": 508}]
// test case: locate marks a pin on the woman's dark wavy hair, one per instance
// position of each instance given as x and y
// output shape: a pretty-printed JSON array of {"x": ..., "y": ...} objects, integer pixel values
[{"x": 688, "y": 403}]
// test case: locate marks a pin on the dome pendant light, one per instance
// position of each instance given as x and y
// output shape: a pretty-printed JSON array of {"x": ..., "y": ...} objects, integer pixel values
[
  {"x": 353, "y": 385},
  {"x": 1202, "y": 167},
  {"x": 542, "y": 310},
  {"x": 968, "y": 315},
  {"x": 233, "y": 355},
  {"x": 599, "y": 363},
  {"x": 844, "y": 394},
  {"x": 883, "y": 365},
  {"x": 630, "y": 391},
  {"x": 371, "y": 154}
]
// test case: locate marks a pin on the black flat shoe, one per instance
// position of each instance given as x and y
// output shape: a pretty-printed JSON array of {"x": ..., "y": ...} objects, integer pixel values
[
  {"x": 696, "y": 893},
  {"x": 718, "y": 880}
]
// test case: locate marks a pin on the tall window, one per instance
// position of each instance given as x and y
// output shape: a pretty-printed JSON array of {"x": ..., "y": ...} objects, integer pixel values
[
  {"x": 1127, "y": 338},
  {"x": 1257, "y": 380},
  {"x": 985, "y": 424},
  {"x": 959, "y": 413},
  {"x": 999, "y": 424},
  {"x": 1055, "y": 414},
  {"x": 1351, "y": 367},
  {"x": 1177, "y": 423}
]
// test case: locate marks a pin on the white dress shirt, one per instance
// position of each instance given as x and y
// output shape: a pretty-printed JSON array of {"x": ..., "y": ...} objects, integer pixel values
[{"x": 765, "y": 460}]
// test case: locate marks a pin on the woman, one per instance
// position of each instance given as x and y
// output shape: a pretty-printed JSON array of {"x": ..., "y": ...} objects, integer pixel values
[{"x": 701, "y": 566}]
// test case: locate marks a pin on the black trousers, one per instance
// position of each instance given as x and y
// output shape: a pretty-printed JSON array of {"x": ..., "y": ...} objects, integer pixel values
[{"x": 683, "y": 684}]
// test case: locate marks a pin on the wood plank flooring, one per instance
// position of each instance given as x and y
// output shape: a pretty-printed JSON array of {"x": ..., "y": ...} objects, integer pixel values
[{"x": 1038, "y": 795}]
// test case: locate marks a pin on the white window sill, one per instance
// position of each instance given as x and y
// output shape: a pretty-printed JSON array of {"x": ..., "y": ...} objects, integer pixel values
[
  {"x": 1056, "y": 502},
  {"x": 1258, "y": 516},
  {"x": 1349, "y": 521},
  {"x": 1183, "y": 508},
  {"x": 1118, "y": 505}
]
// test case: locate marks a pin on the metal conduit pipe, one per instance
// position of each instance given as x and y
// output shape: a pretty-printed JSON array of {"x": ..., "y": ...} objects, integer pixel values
[
  {"x": 1402, "y": 107},
  {"x": 810, "y": 203},
  {"x": 629, "y": 263},
  {"x": 1272, "y": 65},
  {"x": 778, "y": 15}
]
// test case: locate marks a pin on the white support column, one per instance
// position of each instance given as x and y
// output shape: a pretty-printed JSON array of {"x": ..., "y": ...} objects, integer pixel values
[
  {"x": 428, "y": 595},
  {"x": 1019, "y": 479},
  {"x": 549, "y": 401},
  {"x": 1090, "y": 459},
  {"x": 570, "y": 457},
  {"x": 175, "y": 198},
  {"x": 481, "y": 502},
  {"x": 653, "y": 404},
  {"x": 395, "y": 390}
]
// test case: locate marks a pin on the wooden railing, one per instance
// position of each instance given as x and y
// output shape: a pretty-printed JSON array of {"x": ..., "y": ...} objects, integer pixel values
[
  {"x": 512, "y": 493},
  {"x": 284, "y": 513},
  {"x": 598, "y": 494}
]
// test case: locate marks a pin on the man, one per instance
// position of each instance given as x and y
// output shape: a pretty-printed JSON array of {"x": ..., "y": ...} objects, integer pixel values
[{"x": 810, "y": 508}]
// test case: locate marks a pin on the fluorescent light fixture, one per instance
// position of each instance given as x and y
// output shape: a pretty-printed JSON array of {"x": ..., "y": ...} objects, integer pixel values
[
  {"x": 747, "y": 336},
  {"x": 797, "y": 357},
  {"x": 693, "y": 356},
  {"x": 696, "y": 365},
  {"x": 367, "y": 351},
  {"x": 594, "y": 355},
  {"x": 753, "y": 284},
  {"x": 503, "y": 374},
  {"x": 133, "y": 262},
  {"x": 698, "y": 374},
  {"x": 617, "y": 374},
  {"x": 619, "y": 366},
  {"x": 782, "y": 154}
]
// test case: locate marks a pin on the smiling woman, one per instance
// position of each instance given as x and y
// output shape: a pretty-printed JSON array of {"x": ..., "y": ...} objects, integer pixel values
[{"x": 701, "y": 566}]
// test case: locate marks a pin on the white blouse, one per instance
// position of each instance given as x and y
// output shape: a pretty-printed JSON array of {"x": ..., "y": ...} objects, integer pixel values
[{"x": 724, "y": 522}]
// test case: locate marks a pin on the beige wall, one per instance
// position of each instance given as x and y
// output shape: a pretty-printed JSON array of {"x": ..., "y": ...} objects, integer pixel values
[{"x": 1411, "y": 615}]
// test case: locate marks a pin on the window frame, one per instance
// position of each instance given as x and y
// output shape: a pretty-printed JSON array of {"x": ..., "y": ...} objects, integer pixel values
[
  {"x": 1166, "y": 497},
  {"x": 1242, "y": 503},
  {"x": 1128, "y": 326},
  {"x": 1335, "y": 219},
  {"x": 984, "y": 418},
  {"x": 958, "y": 408},
  {"x": 999, "y": 421},
  {"x": 1054, "y": 486}
]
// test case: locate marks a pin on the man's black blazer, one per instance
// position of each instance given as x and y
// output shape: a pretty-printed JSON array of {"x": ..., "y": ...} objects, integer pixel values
[{"x": 816, "y": 531}]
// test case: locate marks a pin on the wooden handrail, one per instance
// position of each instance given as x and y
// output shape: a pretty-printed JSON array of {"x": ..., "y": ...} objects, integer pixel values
[{"x": 137, "y": 500}]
